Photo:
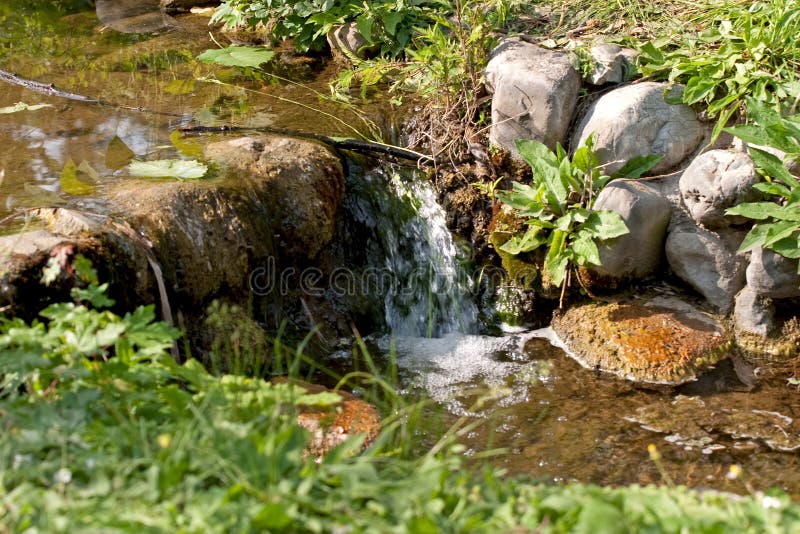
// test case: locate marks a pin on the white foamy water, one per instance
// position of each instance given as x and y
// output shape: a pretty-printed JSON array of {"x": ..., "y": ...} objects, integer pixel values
[{"x": 457, "y": 368}]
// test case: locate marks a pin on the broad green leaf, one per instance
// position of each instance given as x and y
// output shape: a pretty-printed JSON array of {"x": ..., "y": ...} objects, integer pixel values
[
  {"x": 605, "y": 224},
  {"x": 22, "y": 106},
  {"x": 531, "y": 151},
  {"x": 788, "y": 247},
  {"x": 764, "y": 210},
  {"x": 532, "y": 239},
  {"x": 698, "y": 89},
  {"x": 390, "y": 21},
  {"x": 754, "y": 238},
  {"x": 168, "y": 168},
  {"x": 749, "y": 133},
  {"x": 364, "y": 24},
  {"x": 637, "y": 166},
  {"x": 779, "y": 231},
  {"x": 557, "y": 267},
  {"x": 585, "y": 250},
  {"x": 773, "y": 167},
  {"x": 773, "y": 188},
  {"x": 554, "y": 189},
  {"x": 75, "y": 183},
  {"x": 238, "y": 56},
  {"x": 118, "y": 154}
]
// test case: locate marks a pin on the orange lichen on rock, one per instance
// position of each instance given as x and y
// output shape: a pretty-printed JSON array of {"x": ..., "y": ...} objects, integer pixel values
[
  {"x": 332, "y": 425},
  {"x": 661, "y": 341}
]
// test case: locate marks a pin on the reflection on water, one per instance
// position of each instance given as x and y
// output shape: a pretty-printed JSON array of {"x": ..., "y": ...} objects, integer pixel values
[
  {"x": 559, "y": 421},
  {"x": 78, "y": 53}
]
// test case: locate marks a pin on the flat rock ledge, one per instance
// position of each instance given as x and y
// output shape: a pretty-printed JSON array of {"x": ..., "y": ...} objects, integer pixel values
[{"x": 658, "y": 341}]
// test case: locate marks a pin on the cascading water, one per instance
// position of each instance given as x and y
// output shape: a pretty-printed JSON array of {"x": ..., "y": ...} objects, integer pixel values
[{"x": 415, "y": 261}]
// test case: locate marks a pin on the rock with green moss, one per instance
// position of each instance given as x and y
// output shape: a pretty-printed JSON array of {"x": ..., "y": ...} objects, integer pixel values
[{"x": 661, "y": 340}]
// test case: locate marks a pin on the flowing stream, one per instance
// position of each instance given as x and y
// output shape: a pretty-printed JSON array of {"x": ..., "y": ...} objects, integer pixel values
[
  {"x": 556, "y": 420},
  {"x": 427, "y": 292}
]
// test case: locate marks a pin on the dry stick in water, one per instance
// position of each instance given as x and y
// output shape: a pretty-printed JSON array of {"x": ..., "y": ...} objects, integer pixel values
[
  {"x": 355, "y": 145},
  {"x": 50, "y": 89}
]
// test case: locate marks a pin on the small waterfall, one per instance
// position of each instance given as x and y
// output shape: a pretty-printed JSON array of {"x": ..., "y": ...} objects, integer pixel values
[{"x": 415, "y": 261}]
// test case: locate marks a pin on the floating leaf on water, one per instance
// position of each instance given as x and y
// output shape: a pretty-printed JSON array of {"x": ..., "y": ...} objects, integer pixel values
[
  {"x": 37, "y": 196},
  {"x": 118, "y": 154},
  {"x": 22, "y": 106},
  {"x": 187, "y": 146},
  {"x": 238, "y": 56},
  {"x": 76, "y": 181},
  {"x": 168, "y": 168},
  {"x": 180, "y": 87},
  {"x": 90, "y": 175}
]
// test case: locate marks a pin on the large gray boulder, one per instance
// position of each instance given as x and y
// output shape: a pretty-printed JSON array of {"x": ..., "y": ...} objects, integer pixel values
[
  {"x": 716, "y": 181},
  {"x": 708, "y": 262},
  {"x": 772, "y": 275},
  {"x": 638, "y": 253},
  {"x": 535, "y": 92},
  {"x": 636, "y": 120}
]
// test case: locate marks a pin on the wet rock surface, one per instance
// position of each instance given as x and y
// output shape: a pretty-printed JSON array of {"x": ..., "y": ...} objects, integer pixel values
[
  {"x": 662, "y": 340},
  {"x": 301, "y": 181},
  {"x": 692, "y": 424},
  {"x": 333, "y": 424}
]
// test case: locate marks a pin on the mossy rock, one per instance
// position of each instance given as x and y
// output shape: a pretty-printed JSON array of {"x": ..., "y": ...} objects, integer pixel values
[{"x": 661, "y": 341}]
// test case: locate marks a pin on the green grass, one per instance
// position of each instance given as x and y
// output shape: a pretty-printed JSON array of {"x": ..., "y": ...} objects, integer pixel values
[{"x": 103, "y": 432}]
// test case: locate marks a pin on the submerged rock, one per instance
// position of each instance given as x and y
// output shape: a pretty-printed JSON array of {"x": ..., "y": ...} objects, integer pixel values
[
  {"x": 133, "y": 16},
  {"x": 534, "y": 94},
  {"x": 301, "y": 181},
  {"x": 636, "y": 120},
  {"x": 690, "y": 423},
  {"x": 663, "y": 340}
]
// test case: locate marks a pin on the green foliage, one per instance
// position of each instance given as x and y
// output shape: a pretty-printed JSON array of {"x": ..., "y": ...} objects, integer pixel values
[
  {"x": 238, "y": 56},
  {"x": 777, "y": 218},
  {"x": 558, "y": 206},
  {"x": 103, "y": 432},
  {"x": 749, "y": 50},
  {"x": 391, "y": 23}
]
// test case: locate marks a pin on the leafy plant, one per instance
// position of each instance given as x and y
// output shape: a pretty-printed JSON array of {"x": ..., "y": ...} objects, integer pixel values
[
  {"x": 391, "y": 23},
  {"x": 747, "y": 50},
  {"x": 559, "y": 204},
  {"x": 777, "y": 226}
]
